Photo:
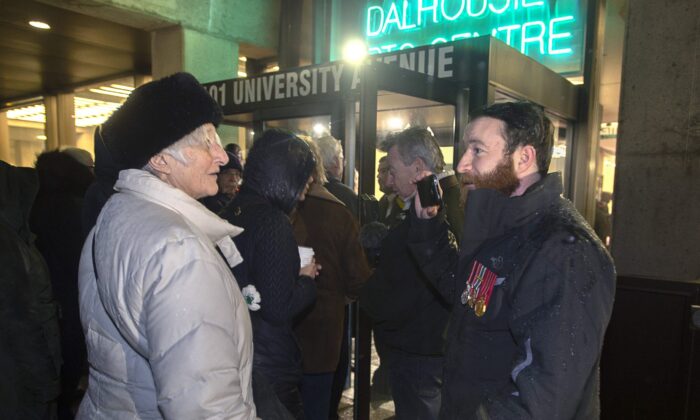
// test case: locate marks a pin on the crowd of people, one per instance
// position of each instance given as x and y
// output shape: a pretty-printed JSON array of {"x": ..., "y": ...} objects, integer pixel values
[{"x": 172, "y": 278}]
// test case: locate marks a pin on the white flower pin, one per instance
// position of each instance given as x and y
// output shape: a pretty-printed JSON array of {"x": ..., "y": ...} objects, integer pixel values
[{"x": 252, "y": 297}]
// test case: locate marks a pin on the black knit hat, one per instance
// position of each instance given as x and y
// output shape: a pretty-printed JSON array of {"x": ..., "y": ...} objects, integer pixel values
[{"x": 155, "y": 116}]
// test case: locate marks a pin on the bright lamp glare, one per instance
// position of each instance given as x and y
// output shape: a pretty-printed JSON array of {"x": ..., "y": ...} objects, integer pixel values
[
  {"x": 39, "y": 24},
  {"x": 319, "y": 129},
  {"x": 395, "y": 123},
  {"x": 354, "y": 51}
]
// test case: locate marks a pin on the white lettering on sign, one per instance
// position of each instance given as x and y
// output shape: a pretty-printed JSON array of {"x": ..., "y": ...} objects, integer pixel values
[
  {"x": 293, "y": 84},
  {"x": 434, "y": 61}
]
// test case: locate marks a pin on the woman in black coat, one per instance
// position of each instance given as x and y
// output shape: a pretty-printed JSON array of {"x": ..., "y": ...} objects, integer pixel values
[{"x": 277, "y": 175}]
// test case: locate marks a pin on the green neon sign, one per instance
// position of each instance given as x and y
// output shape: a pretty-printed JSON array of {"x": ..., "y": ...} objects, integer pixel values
[{"x": 551, "y": 32}]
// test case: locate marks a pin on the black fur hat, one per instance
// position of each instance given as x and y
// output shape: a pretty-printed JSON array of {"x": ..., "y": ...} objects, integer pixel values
[{"x": 155, "y": 116}]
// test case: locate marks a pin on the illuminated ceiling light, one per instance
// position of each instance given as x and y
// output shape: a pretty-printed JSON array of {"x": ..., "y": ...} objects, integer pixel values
[
  {"x": 242, "y": 74},
  {"x": 395, "y": 123},
  {"x": 33, "y": 113},
  {"x": 116, "y": 90},
  {"x": 39, "y": 24},
  {"x": 122, "y": 87},
  {"x": 319, "y": 129},
  {"x": 41, "y": 137},
  {"x": 275, "y": 68},
  {"x": 354, "y": 51},
  {"x": 243, "y": 59},
  {"x": 106, "y": 92}
]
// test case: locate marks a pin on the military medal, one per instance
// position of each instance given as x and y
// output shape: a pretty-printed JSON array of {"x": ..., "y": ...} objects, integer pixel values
[{"x": 479, "y": 287}]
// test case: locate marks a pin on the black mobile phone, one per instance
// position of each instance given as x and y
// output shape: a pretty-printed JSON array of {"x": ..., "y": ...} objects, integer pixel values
[{"x": 428, "y": 191}]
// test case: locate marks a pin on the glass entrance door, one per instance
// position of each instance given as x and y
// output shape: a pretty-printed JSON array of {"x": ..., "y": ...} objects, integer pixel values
[{"x": 392, "y": 100}]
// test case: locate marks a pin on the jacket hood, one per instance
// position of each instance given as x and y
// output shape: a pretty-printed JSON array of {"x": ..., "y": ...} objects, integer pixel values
[
  {"x": 18, "y": 188},
  {"x": 277, "y": 168}
]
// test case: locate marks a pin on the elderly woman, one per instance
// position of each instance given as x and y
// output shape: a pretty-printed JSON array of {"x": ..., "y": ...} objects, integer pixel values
[
  {"x": 277, "y": 175},
  {"x": 167, "y": 329}
]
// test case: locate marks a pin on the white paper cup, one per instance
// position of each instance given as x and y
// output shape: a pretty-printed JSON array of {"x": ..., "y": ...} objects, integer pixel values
[{"x": 305, "y": 255}]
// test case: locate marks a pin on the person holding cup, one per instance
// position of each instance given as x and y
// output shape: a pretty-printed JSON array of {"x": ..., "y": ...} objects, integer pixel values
[{"x": 276, "y": 177}]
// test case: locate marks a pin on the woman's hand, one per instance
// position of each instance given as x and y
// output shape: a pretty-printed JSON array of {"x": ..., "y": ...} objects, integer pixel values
[{"x": 311, "y": 270}]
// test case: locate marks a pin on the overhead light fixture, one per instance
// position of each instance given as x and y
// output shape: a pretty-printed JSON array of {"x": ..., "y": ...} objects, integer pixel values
[
  {"x": 395, "y": 123},
  {"x": 41, "y": 137},
  {"x": 242, "y": 74},
  {"x": 319, "y": 129},
  {"x": 354, "y": 51},
  {"x": 39, "y": 24},
  {"x": 33, "y": 113},
  {"x": 243, "y": 58},
  {"x": 110, "y": 93}
]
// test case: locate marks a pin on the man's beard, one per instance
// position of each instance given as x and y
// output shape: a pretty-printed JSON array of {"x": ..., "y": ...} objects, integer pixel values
[{"x": 502, "y": 178}]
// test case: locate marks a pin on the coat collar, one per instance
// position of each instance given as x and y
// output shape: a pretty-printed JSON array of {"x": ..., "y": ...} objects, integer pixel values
[
  {"x": 489, "y": 213},
  {"x": 149, "y": 187},
  {"x": 319, "y": 191}
]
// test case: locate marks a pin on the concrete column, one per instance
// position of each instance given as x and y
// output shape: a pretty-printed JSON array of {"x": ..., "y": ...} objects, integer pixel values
[
  {"x": 60, "y": 121},
  {"x": 51, "y": 126},
  {"x": 656, "y": 214},
  {"x": 4, "y": 138},
  {"x": 208, "y": 57}
]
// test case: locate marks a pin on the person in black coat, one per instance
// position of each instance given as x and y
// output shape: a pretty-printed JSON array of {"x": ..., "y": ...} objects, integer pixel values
[
  {"x": 106, "y": 173},
  {"x": 277, "y": 175},
  {"x": 228, "y": 179},
  {"x": 30, "y": 348},
  {"x": 532, "y": 287},
  {"x": 56, "y": 222},
  {"x": 410, "y": 315}
]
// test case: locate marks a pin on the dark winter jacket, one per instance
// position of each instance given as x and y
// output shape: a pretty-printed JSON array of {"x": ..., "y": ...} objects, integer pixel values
[
  {"x": 325, "y": 224},
  {"x": 30, "y": 359},
  {"x": 216, "y": 203},
  {"x": 106, "y": 174},
  {"x": 275, "y": 174},
  {"x": 535, "y": 351},
  {"x": 454, "y": 212},
  {"x": 410, "y": 315},
  {"x": 56, "y": 221},
  {"x": 345, "y": 194}
]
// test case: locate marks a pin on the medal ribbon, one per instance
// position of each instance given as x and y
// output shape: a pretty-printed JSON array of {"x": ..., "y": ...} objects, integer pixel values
[{"x": 479, "y": 287}]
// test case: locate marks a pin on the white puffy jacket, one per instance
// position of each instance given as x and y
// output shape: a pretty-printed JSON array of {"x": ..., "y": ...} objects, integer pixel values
[{"x": 167, "y": 329}]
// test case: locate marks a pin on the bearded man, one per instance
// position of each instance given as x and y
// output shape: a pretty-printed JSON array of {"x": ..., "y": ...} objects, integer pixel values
[{"x": 532, "y": 286}]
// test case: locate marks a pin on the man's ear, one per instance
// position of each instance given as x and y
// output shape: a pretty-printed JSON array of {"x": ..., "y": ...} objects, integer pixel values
[
  {"x": 160, "y": 163},
  {"x": 525, "y": 160},
  {"x": 420, "y": 165}
]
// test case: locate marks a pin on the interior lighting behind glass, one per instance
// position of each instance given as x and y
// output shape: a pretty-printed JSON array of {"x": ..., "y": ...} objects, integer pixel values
[{"x": 319, "y": 129}]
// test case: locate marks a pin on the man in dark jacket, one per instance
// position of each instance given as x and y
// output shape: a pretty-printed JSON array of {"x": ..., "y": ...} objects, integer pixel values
[
  {"x": 410, "y": 316},
  {"x": 532, "y": 287},
  {"x": 30, "y": 352}
]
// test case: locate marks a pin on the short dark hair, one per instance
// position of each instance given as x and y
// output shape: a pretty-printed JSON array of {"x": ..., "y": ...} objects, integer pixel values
[
  {"x": 524, "y": 124},
  {"x": 416, "y": 143}
]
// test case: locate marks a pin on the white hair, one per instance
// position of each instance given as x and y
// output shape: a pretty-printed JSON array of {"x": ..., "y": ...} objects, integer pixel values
[
  {"x": 330, "y": 149},
  {"x": 198, "y": 137}
]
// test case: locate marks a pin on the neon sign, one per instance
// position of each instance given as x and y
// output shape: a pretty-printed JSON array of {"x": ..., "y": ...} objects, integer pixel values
[{"x": 551, "y": 32}]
